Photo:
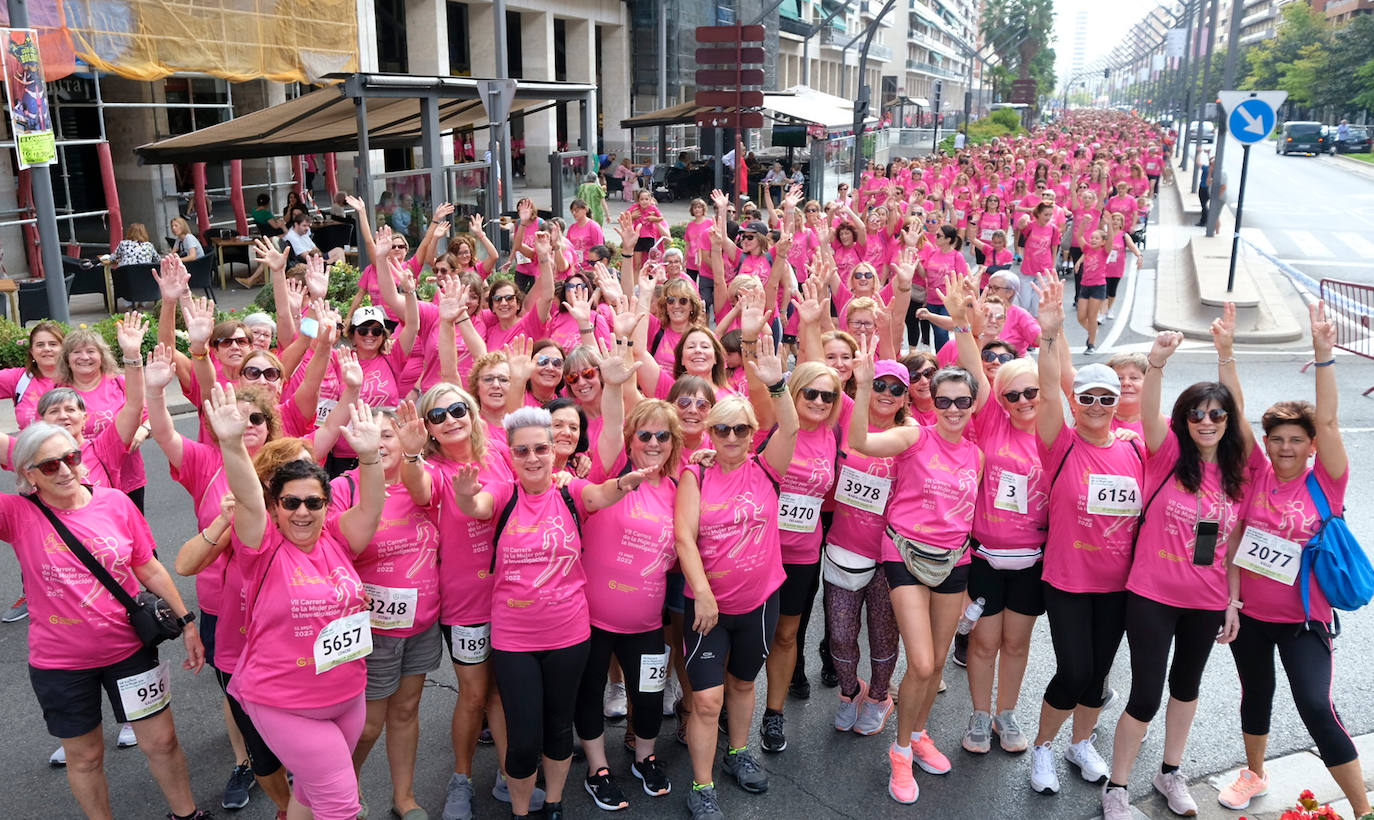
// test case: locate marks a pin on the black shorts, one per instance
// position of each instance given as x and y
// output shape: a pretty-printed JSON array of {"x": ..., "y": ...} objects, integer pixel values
[
  {"x": 1093, "y": 292},
  {"x": 1075, "y": 253},
  {"x": 1112, "y": 283},
  {"x": 899, "y": 576},
  {"x": 1018, "y": 590},
  {"x": 474, "y": 651},
  {"x": 644, "y": 244},
  {"x": 738, "y": 644},
  {"x": 207, "y": 623},
  {"x": 800, "y": 587},
  {"x": 71, "y": 697}
]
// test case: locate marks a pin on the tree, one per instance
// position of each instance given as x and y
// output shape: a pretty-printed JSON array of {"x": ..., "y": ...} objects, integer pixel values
[
  {"x": 1020, "y": 30},
  {"x": 1339, "y": 84},
  {"x": 1271, "y": 59}
]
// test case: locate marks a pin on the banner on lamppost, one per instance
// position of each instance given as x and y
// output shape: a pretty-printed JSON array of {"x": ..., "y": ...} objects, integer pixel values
[
  {"x": 1157, "y": 62},
  {"x": 1176, "y": 43},
  {"x": 30, "y": 118},
  {"x": 1144, "y": 73}
]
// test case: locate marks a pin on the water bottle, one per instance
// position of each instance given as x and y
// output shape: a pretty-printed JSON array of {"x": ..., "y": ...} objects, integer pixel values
[{"x": 970, "y": 616}]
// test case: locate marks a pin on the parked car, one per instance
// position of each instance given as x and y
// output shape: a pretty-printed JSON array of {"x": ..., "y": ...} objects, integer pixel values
[
  {"x": 1300, "y": 137},
  {"x": 1208, "y": 133},
  {"x": 1356, "y": 141}
]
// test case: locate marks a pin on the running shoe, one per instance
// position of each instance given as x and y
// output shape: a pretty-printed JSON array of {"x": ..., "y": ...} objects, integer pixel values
[
  {"x": 241, "y": 782},
  {"x": 800, "y": 687},
  {"x": 501, "y": 791},
  {"x": 1043, "y": 778},
  {"x": 127, "y": 738},
  {"x": 18, "y": 611},
  {"x": 651, "y": 775},
  {"x": 961, "y": 649},
  {"x": 458, "y": 803},
  {"x": 553, "y": 810},
  {"x": 58, "y": 758},
  {"x": 747, "y": 771},
  {"x": 929, "y": 758},
  {"x": 201, "y": 814},
  {"x": 978, "y": 736},
  {"x": 605, "y": 793},
  {"x": 672, "y": 693},
  {"x": 1008, "y": 732},
  {"x": 1246, "y": 787},
  {"x": 1089, "y": 350},
  {"x": 901, "y": 784},
  {"x": 1116, "y": 804},
  {"x": 1174, "y": 787},
  {"x": 940, "y": 690},
  {"x": 1090, "y": 764},
  {"x": 873, "y": 715},
  {"x": 703, "y": 803},
  {"x": 771, "y": 734},
  {"x": 613, "y": 702},
  {"x": 848, "y": 713}
]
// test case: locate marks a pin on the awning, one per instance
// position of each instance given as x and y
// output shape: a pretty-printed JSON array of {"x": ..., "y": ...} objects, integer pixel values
[
  {"x": 797, "y": 103},
  {"x": 680, "y": 114}
]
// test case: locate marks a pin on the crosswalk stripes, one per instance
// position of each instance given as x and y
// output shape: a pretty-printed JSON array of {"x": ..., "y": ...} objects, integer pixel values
[
  {"x": 1257, "y": 237},
  {"x": 1363, "y": 249},
  {"x": 1308, "y": 244}
]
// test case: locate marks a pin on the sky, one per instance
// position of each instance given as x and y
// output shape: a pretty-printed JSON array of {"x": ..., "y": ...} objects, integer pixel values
[{"x": 1107, "y": 23}]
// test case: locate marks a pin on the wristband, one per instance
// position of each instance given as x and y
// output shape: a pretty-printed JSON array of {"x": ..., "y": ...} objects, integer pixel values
[
  {"x": 200, "y": 357},
  {"x": 369, "y": 463},
  {"x": 1153, "y": 365},
  {"x": 1326, "y": 363},
  {"x": 617, "y": 485},
  {"x": 778, "y": 389},
  {"x": 962, "y": 329},
  {"x": 207, "y": 538},
  {"x": 1237, "y": 605},
  {"x": 581, "y": 329},
  {"x": 1226, "y": 361},
  {"x": 135, "y": 362}
]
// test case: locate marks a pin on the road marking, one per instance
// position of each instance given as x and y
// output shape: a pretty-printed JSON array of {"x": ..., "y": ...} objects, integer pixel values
[
  {"x": 1309, "y": 243},
  {"x": 1318, "y": 263},
  {"x": 1123, "y": 308},
  {"x": 1357, "y": 243},
  {"x": 1257, "y": 237}
]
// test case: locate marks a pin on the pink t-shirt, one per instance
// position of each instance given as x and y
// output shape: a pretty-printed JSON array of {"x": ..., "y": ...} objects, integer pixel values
[
  {"x": 26, "y": 404},
  {"x": 1042, "y": 243},
  {"x": 496, "y": 336},
  {"x": 846, "y": 257},
  {"x": 75, "y": 623},
  {"x": 1286, "y": 509},
  {"x": 427, "y": 347},
  {"x": 938, "y": 265},
  {"x": 663, "y": 347},
  {"x": 1088, "y": 551},
  {"x": 367, "y": 282},
  {"x": 1013, "y": 503},
  {"x": 465, "y": 579},
  {"x": 539, "y": 599},
  {"x": 202, "y": 474},
  {"x": 643, "y": 223},
  {"x": 402, "y": 557},
  {"x": 231, "y": 624},
  {"x": 697, "y": 235},
  {"x": 935, "y": 493},
  {"x": 1094, "y": 270},
  {"x": 1116, "y": 257},
  {"x": 292, "y": 595},
  {"x": 584, "y": 236},
  {"x": 627, "y": 553},
  {"x": 807, "y": 482},
  {"x": 860, "y": 529},
  {"x": 563, "y": 329},
  {"x": 1020, "y": 330},
  {"x": 1084, "y": 223},
  {"x": 1162, "y": 568},
  {"x": 737, "y": 535}
]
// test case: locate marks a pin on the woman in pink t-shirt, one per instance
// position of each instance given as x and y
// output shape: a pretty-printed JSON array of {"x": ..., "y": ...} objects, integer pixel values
[
  {"x": 1092, "y": 278},
  {"x": 1095, "y": 485},
  {"x": 79, "y": 637},
  {"x": 726, "y": 528},
  {"x": 42, "y": 356},
  {"x": 1266, "y": 611},
  {"x": 1195, "y": 486},
  {"x": 677, "y": 309},
  {"x": 698, "y": 353},
  {"x": 921, "y": 366},
  {"x": 1119, "y": 243},
  {"x": 540, "y": 629},
  {"x": 298, "y": 677}
]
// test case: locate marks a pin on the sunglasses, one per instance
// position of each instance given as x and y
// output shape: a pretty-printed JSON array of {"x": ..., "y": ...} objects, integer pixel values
[
  {"x": 863, "y": 274},
  {"x": 495, "y": 380},
  {"x": 945, "y": 402},
  {"x": 646, "y": 436},
  {"x": 687, "y": 402},
  {"x": 523, "y": 450},
  {"x": 1088, "y": 400},
  {"x": 400, "y": 246},
  {"x": 677, "y": 301},
  {"x": 894, "y": 389},
  {"x": 724, "y": 431},
  {"x": 813, "y": 210},
  {"x": 578, "y": 375},
  {"x": 1197, "y": 414},
  {"x": 52, "y": 465},
  {"x": 435, "y": 415},
  {"x": 576, "y": 285},
  {"x": 927, "y": 374},
  {"x": 254, "y": 372},
  {"x": 257, "y": 419},
  {"x": 743, "y": 235},
  {"x": 991, "y": 356},
  {"x": 1013, "y": 396},
  {"x": 811, "y": 394},
  {"x": 370, "y": 329},
  {"x": 291, "y": 503},
  {"x": 240, "y": 341},
  {"x": 549, "y": 361},
  {"x": 505, "y": 297}
]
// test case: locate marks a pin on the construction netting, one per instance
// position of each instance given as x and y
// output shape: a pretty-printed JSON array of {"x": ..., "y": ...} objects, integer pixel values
[{"x": 236, "y": 40}]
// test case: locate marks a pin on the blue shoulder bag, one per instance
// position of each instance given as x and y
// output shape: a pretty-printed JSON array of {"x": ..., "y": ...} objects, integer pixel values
[{"x": 1336, "y": 559}]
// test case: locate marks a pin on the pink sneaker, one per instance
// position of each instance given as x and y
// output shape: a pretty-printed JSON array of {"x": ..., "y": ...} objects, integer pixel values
[
  {"x": 1246, "y": 787},
  {"x": 902, "y": 784},
  {"x": 927, "y": 756}
]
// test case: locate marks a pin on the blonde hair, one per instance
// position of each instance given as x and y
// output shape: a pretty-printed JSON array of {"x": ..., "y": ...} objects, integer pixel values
[
  {"x": 1011, "y": 370},
  {"x": 806, "y": 374},
  {"x": 277, "y": 452},
  {"x": 651, "y": 410},
  {"x": 182, "y": 223},
  {"x": 478, "y": 436},
  {"x": 79, "y": 338},
  {"x": 730, "y": 408}
]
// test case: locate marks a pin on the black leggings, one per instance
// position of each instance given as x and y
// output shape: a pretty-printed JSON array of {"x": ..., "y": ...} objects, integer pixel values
[
  {"x": 917, "y": 330},
  {"x": 1150, "y": 628},
  {"x": 260, "y": 756},
  {"x": 1086, "y": 630},
  {"x": 538, "y": 694},
  {"x": 1306, "y": 657},
  {"x": 628, "y": 649}
]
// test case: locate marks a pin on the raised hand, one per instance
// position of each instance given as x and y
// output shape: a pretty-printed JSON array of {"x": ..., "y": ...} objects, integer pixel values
[
  {"x": 751, "y": 313},
  {"x": 577, "y": 303},
  {"x": 767, "y": 366},
  {"x": 543, "y": 244},
  {"x": 1323, "y": 331},
  {"x": 159, "y": 371},
  {"x": 226, "y": 508},
  {"x": 316, "y": 278},
  {"x": 363, "y": 433},
  {"x": 608, "y": 283},
  {"x": 442, "y": 213},
  {"x": 129, "y": 334},
  {"x": 1166, "y": 344},
  {"x": 355, "y": 203},
  {"x": 520, "y": 358},
  {"x": 268, "y": 252},
  {"x": 1051, "y": 314},
  {"x": 719, "y": 199},
  {"x": 223, "y": 414},
  {"x": 295, "y": 295},
  {"x": 626, "y": 318},
  {"x": 199, "y": 314},
  {"x": 808, "y": 303},
  {"x": 173, "y": 280},
  {"x": 865, "y": 360},
  {"x": 453, "y": 301},
  {"x": 401, "y": 275},
  {"x": 618, "y": 368},
  {"x": 350, "y": 371},
  {"x": 525, "y": 209},
  {"x": 475, "y": 223},
  {"x": 1224, "y": 331},
  {"x": 410, "y": 428},
  {"x": 631, "y": 480},
  {"x": 625, "y": 223},
  {"x": 465, "y": 480}
]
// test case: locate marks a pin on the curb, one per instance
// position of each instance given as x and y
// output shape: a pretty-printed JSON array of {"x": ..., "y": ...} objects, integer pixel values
[{"x": 1364, "y": 169}]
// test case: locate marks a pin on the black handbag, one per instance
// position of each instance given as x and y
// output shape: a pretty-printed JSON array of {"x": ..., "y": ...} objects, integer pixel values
[{"x": 150, "y": 616}]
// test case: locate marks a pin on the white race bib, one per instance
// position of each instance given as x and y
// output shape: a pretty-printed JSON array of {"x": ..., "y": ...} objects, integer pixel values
[
  {"x": 1266, "y": 554},
  {"x": 862, "y": 491},
  {"x": 144, "y": 694},
  {"x": 798, "y": 513},
  {"x": 471, "y": 644},
  {"x": 1116, "y": 495},
  {"x": 342, "y": 640},
  {"x": 958, "y": 215},
  {"x": 392, "y": 607},
  {"x": 1111, "y": 257},
  {"x": 653, "y": 672},
  {"x": 986, "y": 234},
  {"x": 1011, "y": 493},
  {"x": 322, "y": 410}
]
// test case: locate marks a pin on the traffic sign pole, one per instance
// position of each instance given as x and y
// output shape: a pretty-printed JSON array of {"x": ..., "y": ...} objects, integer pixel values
[
  {"x": 1240, "y": 210},
  {"x": 1250, "y": 117}
]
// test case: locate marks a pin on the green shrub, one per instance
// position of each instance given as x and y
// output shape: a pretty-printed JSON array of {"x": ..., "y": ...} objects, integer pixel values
[
  {"x": 343, "y": 284},
  {"x": 14, "y": 342},
  {"x": 678, "y": 231}
]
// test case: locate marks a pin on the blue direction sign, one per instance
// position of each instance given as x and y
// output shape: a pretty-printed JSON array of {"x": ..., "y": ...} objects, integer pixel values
[{"x": 1250, "y": 114}]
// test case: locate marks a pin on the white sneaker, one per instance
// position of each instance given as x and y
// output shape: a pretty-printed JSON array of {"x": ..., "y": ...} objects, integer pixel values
[
  {"x": 1174, "y": 787},
  {"x": 1090, "y": 764},
  {"x": 127, "y": 738},
  {"x": 1043, "y": 778},
  {"x": 1116, "y": 804},
  {"x": 59, "y": 757},
  {"x": 613, "y": 702},
  {"x": 672, "y": 693}
]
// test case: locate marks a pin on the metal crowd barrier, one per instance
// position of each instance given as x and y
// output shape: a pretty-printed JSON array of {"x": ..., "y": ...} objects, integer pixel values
[{"x": 1352, "y": 305}]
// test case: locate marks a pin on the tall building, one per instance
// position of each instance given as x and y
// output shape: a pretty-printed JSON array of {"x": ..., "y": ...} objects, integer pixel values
[
  {"x": 1080, "y": 43},
  {"x": 1259, "y": 20},
  {"x": 1340, "y": 12}
]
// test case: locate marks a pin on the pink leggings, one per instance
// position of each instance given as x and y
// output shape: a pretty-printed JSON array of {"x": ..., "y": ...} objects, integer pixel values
[{"x": 316, "y": 745}]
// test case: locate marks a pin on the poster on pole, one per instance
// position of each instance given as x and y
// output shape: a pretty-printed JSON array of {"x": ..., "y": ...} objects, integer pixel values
[
  {"x": 1176, "y": 43},
  {"x": 27, "y": 94}
]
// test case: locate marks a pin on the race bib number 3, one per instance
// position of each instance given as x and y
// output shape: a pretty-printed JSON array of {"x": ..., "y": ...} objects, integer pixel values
[
  {"x": 1011, "y": 492},
  {"x": 798, "y": 513},
  {"x": 1116, "y": 495},
  {"x": 342, "y": 640},
  {"x": 862, "y": 491},
  {"x": 144, "y": 694},
  {"x": 392, "y": 607},
  {"x": 471, "y": 644},
  {"x": 653, "y": 672},
  {"x": 1267, "y": 554}
]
